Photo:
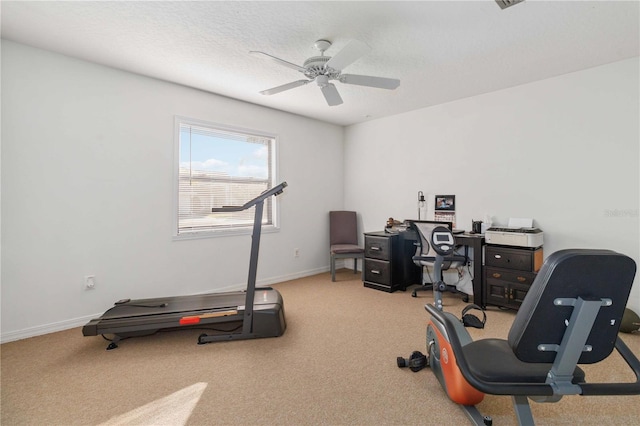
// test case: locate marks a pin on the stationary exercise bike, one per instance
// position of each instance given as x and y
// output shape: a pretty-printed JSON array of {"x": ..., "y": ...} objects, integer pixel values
[
  {"x": 440, "y": 357},
  {"x": 570, "y": 316}
]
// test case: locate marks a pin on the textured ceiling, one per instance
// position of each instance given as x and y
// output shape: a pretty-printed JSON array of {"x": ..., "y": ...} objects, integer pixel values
[{"x": 440, "y": 50}]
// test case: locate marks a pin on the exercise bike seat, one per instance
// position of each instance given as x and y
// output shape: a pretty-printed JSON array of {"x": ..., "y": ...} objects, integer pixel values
[{"x": 493, "y": 361}]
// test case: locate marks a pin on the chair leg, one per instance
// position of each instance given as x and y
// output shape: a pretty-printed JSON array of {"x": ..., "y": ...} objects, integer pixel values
[
  {"x": 423, "y": 287},
  {"x": 333, "y": 268},
  {"x": 355, "y": 265}
]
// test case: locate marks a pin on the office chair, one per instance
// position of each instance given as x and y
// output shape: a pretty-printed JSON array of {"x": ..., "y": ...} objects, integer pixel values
[
  {"x": 343, "y": 239},
  {"x": 425, "y": 257},
  {"x": 571, "y": 315}
]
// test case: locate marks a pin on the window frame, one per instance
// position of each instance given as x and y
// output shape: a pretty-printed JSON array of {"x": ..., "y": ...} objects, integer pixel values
[{"x": 222, "y": 231}]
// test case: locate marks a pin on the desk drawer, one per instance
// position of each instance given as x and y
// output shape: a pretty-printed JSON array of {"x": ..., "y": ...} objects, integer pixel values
[
  {"x": 377, "y": 247},
  {"x": 377, "y": 271},
  {"x": 511, "y": 258}
]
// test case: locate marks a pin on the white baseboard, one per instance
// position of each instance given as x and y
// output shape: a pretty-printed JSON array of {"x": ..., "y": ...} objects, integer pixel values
[
  {"x": 77, "y": 322},
  {"x": 45, "y": 329},
  {"x": 289, "y": 277}
]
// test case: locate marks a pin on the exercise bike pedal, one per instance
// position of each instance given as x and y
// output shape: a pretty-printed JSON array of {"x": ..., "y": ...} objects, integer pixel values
[{"x": 416, "y": 362}]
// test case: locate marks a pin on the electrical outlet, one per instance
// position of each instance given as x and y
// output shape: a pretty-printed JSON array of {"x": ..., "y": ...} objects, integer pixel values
[
  {"x": 296, "y": 252},
  {"x": 89, "y": 282}
]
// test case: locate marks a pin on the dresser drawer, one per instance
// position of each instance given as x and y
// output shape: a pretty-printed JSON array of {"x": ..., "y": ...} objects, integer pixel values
[
  {"x": 377, "y": 271},
  {"x": 506, "y": 287},
  {"x": 510, "y": 276},
  {"x": 512, "y": 258},
  {"x": 377, "y": 247}
]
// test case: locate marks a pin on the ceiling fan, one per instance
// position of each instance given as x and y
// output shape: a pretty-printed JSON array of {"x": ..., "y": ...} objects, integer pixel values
[{"x": 323, "y": 69}]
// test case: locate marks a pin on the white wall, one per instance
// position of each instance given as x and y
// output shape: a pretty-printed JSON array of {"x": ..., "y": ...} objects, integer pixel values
[
  {"x": 87, "y": 169},
  {"x": 564, "y": 151}
]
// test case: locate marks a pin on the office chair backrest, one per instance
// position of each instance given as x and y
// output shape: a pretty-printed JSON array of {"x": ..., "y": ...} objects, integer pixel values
[
  {"x": 588, "y": 274},
  {"x": 424, "y": 229},
  {"x": 343, "y": 227}
]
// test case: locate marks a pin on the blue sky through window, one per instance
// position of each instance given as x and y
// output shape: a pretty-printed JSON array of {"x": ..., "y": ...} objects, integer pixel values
[{"x": 232, "y": 156}]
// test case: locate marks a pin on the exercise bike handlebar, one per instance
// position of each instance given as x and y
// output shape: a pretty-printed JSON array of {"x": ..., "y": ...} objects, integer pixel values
[{"x": 276, "y": 190}]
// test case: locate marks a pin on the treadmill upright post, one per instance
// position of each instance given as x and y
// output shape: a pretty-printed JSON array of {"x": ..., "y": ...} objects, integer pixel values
[
  {"x": 247, "y": 321},
  {"x": 247, "y": 318}
]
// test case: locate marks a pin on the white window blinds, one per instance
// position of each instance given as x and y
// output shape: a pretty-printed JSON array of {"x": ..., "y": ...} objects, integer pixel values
[{"x": 220, "y": 167}]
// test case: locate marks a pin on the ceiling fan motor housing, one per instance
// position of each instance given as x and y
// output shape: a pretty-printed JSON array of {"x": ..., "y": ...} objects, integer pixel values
[{"x": 315, "y": 66}]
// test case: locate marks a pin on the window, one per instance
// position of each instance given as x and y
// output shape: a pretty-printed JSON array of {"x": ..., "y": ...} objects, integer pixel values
[{"x": 221, "y": 166}]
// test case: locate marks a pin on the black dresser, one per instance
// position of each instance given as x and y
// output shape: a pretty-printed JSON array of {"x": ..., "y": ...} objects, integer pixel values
[
  {"x": 387, "y": 262},
  {"x": 508, "y": 274}
]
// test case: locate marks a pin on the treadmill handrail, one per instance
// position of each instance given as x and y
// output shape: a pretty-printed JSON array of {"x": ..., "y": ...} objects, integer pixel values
[{"x": 276, "y": 190}]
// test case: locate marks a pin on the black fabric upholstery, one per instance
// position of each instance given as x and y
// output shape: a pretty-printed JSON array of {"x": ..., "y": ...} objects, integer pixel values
[{"x": 589, "y": 274}]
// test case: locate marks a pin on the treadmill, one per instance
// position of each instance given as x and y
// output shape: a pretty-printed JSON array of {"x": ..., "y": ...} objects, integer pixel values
[{"x": 250, "y": 314}]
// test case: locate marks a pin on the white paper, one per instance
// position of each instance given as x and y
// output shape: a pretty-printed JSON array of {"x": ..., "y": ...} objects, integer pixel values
[{"x": 520, "y": 222}]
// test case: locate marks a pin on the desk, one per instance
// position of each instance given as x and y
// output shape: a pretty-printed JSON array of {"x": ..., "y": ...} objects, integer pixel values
[
  {"x": 476, "y": 242},
  {"x": 405, "y": 263}
]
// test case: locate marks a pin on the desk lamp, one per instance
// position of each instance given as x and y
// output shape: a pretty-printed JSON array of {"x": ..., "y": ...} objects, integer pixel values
[{"x": 421, "y": 203}]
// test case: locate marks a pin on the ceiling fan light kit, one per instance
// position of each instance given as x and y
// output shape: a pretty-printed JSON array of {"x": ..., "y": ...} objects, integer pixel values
[{"x": 322, "y": 69}]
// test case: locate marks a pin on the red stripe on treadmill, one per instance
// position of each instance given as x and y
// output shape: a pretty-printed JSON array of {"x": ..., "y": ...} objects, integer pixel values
[{"x": 189, "y": 320}]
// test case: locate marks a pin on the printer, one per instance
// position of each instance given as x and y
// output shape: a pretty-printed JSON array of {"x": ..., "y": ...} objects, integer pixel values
[{"x": 514, "y": 236}]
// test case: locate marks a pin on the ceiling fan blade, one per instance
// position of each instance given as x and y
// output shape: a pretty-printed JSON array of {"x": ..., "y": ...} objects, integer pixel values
[
  {"x": 277, "y": 60},
  {"x": 349, "y": 54},
  {"x": 284, "y": 87},
  {"x": 331, "y": 94},
  {"x": 367, "y": 80}
]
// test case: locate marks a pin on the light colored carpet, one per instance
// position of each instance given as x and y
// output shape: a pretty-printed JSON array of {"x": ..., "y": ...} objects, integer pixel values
[{"x": 335, "y": 365}]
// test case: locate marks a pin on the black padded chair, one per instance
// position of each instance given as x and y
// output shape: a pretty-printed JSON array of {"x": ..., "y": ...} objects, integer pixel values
[
  {"x": 425, "y": 258},
  {"x": 343, "y": 239},
  {"x": 570, "y": 316}
]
